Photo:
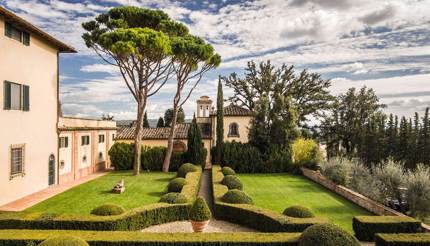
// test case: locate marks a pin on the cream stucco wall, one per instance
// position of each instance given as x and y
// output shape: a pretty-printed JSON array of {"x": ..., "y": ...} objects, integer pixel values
[
  {"x": 65, "y": 155},
  {"x": 35, "y": 66},
  {"x": 244, "y": 123}
]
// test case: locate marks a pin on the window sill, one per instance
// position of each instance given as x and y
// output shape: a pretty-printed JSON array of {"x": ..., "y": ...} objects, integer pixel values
[
  {"x": 12, "y": 176},
  {"x": 233, "y": 136}
]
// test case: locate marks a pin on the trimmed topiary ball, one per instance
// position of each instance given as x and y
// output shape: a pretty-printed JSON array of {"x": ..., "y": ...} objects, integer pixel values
[
  {"x": 236, "y": 197},
  {"x": 63, "y": 241},
  {"x": 200, "y": 210},
  {"x": 232, "y": 182},
  {"x": 186, "y": 168},
  {"x": 108, "y": 209},
  {"x": 326, "y": 235},
  {"x": 174, "y": 198},
  {"x": 175, "y": 185},
  {"x": 298, "y": 212},
  {"x": 228, "y": 171}
]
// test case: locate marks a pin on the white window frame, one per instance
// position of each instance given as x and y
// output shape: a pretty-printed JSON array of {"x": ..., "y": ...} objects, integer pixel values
[{"x": 63, "y": 142}]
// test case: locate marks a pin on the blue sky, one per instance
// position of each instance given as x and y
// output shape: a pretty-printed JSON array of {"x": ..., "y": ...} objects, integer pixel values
[{"x": 382, "y": 44}]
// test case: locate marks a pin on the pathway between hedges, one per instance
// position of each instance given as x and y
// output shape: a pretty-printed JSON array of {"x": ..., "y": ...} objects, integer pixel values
[{"x": 205, "y": 190}]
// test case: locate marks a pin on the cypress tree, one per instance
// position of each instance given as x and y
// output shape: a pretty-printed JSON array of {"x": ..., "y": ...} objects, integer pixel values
[
  {"x": 195, "y": 150},
  {"x": 160, "y": 122},
  {"x": 219, "y": 123},
  {"x": 145, "y": 120}
]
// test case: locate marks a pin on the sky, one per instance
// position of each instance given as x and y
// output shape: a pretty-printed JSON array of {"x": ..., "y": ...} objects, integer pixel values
[{"x": 383, "y": 44}]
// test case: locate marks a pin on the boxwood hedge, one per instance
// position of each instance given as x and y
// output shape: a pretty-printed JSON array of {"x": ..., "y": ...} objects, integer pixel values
[
  {"x": 402, "y": 239},
  {"x": 255, "y": 217},
  {"x": 120, "y": 238},
  {"x": 134, "y": 219},
  {"x": 365, "y": 227}
]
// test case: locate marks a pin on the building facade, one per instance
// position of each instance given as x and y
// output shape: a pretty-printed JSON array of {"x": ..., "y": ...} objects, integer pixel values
[
  {"x": 29, "y": 76},
  {"x": 83, "y": 147},
  {"x": 237, "y": 121}
]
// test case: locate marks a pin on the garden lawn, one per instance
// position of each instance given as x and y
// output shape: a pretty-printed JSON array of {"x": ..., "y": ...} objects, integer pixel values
[
  {"x": 279, "y": 191},
  {"x": 140, "y": 190}
]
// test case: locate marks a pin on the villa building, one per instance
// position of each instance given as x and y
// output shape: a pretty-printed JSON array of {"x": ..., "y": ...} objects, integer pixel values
[
  {"x": 37, "y": 147},
  {"x": 29, "y": 64},
  {"x": 237, "y": 121},
  {"x": 84, "y": 146}
]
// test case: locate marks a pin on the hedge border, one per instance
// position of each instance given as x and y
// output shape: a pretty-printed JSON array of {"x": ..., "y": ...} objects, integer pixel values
[
  {"x": 402, "y": 239},
  {"x": 134, "y": 219},
  {"x": 365, "y": 227},
  {"x": 118, "y": 238},
  {"x": 255, "y": 217}
]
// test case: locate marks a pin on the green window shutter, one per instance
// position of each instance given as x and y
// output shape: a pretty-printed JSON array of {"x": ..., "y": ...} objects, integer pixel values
[
  {"x": 6, "y": 94},
  {"x": 8, "y": 29},
  {"x": 26, "y": 98},
  {"x": 26, "y": 38}
]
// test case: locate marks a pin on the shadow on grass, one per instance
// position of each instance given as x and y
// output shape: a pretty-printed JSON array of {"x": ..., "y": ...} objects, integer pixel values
[
  {"x": 156, "y": 193},
  {"x": 163, "y": 179}
]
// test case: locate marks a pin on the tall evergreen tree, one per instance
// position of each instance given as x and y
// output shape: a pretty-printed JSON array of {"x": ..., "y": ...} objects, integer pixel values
[
  {"x": 424, "y": 139},
  {"x": 195, "y": 150},
  {"x": 219, "y": 122},
  {"x": 403, "y": 143},
  {"x": 145, "y": 120},
  {"x": 160, "y": 122}
]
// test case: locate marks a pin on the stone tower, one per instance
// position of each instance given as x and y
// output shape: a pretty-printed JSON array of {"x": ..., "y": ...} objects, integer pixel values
[{"x": 204, "y": 109}]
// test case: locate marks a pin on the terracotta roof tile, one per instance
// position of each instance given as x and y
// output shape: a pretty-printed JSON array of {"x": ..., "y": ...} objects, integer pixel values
[
  {"x": 234, "y": 110},
  {"x": 155, "y": 132}
]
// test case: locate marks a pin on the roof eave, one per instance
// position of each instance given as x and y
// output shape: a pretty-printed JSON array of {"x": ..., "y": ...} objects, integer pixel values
[{"x": 10, "y": 16}]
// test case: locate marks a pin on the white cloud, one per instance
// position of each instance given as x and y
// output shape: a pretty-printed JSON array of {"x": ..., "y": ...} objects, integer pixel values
[{"x": 104, "y": 68}]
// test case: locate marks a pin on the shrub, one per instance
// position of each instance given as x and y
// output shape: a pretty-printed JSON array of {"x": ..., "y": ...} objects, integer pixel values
[
  {"x": 236, "y": 197},
  {"x": 365, "y": 227},
  {"x": 108, "y": 209},
  {"x": 418, "y": 195},
  {"x": 232, "y": 182},
  {"x": 277, "y": 160},
  {"x": 186, "y": 168},
  {"x": 306, "y": 152},
  {"x": 134, "y": 238},
  {"x": 152, "y": 158},
  {"x": 200, "y": 210},
  {"x": 402, "y": 239},
  {"x": 174, "y": 198},
  {"x": 64, "y": 241},
  {"x": 326, "y": 235},
  {"x": 175, "y": 185},
  {"x": 243, "y": 158},
  {"x": 337, "y": 170},
  {"x": 298, "y": 212},
  {"x": 391, "y": 177},
  {"x": 363, "y": 182},
  {"x": 228, "y": 171},
  {"x": 121, "y": 156}
]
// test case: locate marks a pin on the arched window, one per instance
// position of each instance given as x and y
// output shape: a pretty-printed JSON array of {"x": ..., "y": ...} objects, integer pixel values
[{"x": 233, "y": 130}]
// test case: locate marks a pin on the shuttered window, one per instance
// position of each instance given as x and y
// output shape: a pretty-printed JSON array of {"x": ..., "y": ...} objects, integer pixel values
[
  {"x": 17, "y": 157},
  {"x": 64, "y": 142},
  {"x": 16, "y": 96},
  {"x": 85, "y": 140},
  {"x": 26, "y": 38},
  {"x": 25, "y": 98},
  {"x": 8, "y": 29},
  {"x": 15, "y": 33}
]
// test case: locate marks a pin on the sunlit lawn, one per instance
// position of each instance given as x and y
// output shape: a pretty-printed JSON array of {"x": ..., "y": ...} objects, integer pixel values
[
  {"x": 140, "y": 190},
  {"x": 279, "y": 191}
]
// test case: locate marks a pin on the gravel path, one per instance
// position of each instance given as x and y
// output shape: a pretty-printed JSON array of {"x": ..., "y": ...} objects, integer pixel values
[
  {"x": 185, "y": 226},
  {"x": 205, "y": 190}
]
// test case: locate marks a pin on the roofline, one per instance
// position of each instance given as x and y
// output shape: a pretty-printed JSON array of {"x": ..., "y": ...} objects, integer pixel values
[
  {"x": 10, "y": 16},
  {"x": 83, "y": 118}
]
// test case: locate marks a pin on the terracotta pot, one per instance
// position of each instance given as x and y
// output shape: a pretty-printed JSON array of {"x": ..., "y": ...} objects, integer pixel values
[{"x": 199, "y": 226}]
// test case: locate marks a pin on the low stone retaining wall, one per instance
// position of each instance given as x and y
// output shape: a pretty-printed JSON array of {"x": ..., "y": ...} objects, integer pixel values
[{"x": 353, "y": 196}]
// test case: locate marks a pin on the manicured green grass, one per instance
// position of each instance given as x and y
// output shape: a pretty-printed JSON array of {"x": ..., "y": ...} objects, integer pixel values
[
  {"x": 279, "y": 191},
  {"x": 140, "y": 190}
]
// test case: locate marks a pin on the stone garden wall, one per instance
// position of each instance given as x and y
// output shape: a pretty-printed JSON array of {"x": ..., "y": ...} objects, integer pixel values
[{"x": 353, "y": 196}]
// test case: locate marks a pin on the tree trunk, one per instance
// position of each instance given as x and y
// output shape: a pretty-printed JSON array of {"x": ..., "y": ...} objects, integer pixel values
[
  {"x": 138, "y": 136},
  {"x": 172, "y": 131}
]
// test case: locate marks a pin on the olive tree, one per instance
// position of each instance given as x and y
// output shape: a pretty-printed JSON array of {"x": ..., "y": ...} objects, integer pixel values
[{"x": 139, "y": 42}]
